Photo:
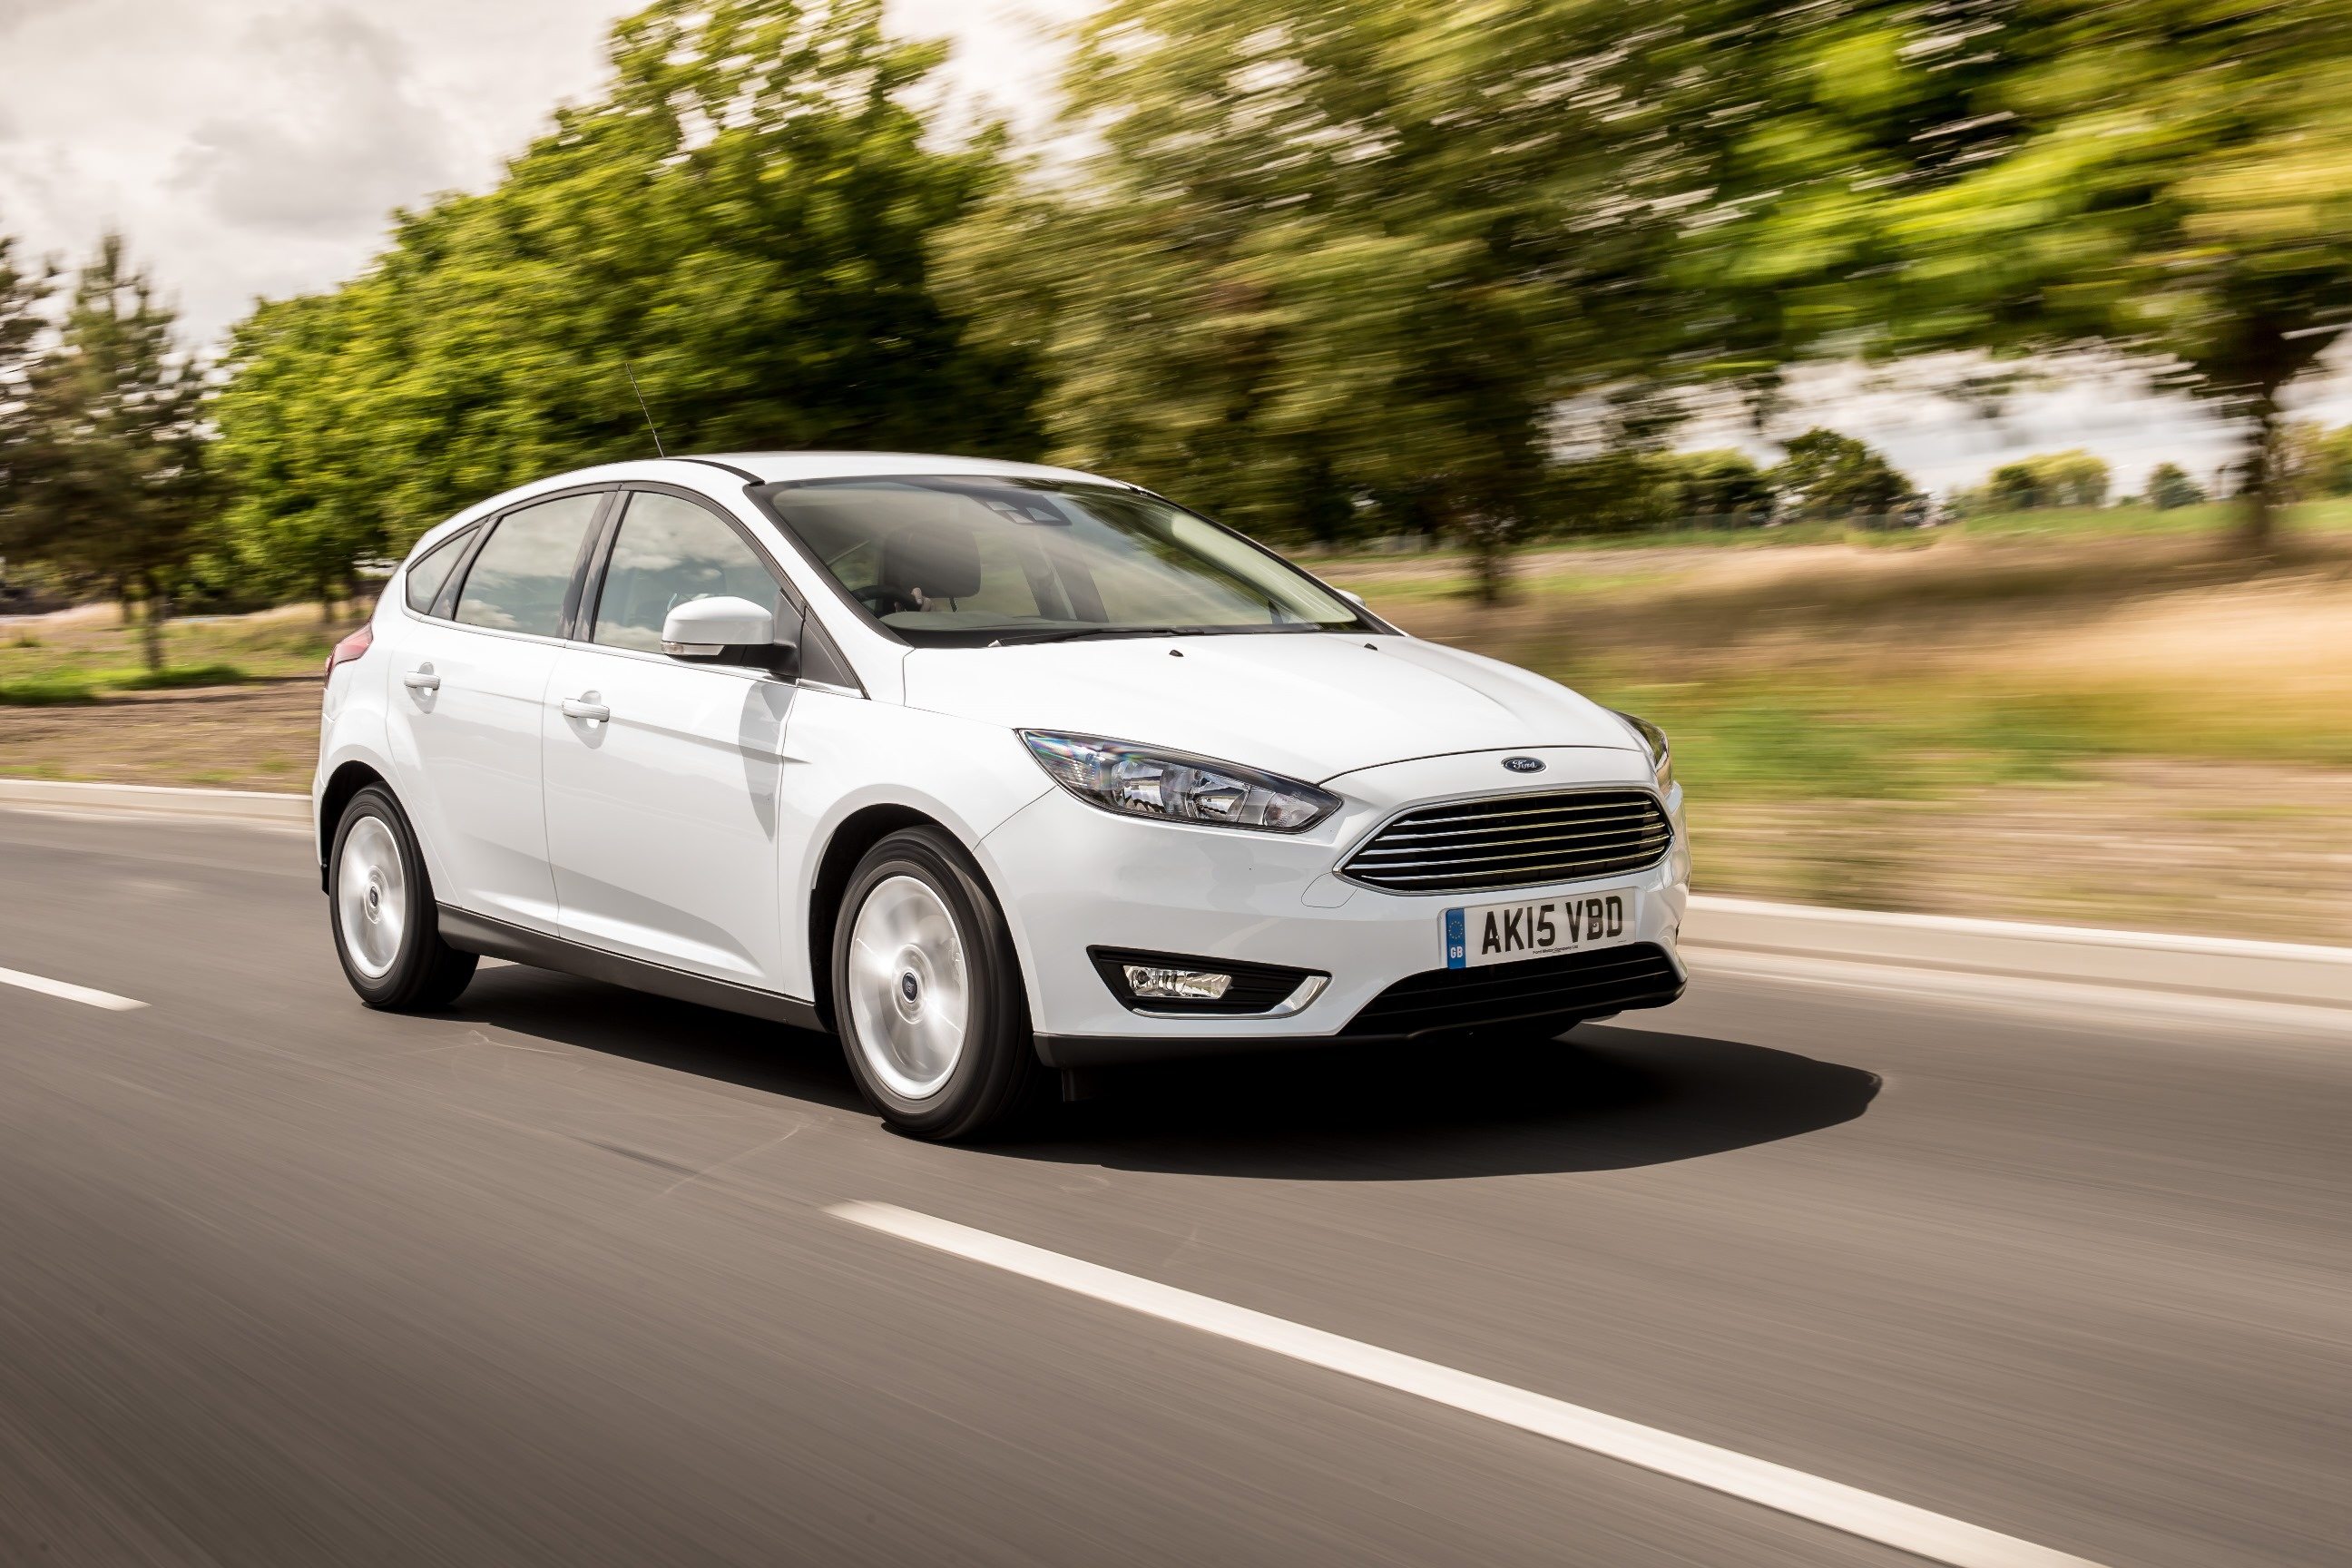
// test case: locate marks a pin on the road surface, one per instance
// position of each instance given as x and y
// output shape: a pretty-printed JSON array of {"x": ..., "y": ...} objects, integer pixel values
[{"x": 559, "y": 1278}]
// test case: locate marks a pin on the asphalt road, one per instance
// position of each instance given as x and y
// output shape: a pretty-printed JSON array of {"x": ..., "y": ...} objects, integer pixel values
[{"x": 553, "y": 1279}]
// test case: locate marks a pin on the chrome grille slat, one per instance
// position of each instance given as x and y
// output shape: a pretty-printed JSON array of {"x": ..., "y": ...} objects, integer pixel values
[
  {"x": 1634, "y": 830},
  {"x": 1534, "y": 859},
  {"x": 1492, "y": 816},
  {"x": 1537, "y": 827},
  {"x": 1515, "y": 841}
]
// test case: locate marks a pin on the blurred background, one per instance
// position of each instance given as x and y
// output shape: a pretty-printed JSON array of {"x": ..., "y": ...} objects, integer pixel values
[{"x": 1934, "y": 413}]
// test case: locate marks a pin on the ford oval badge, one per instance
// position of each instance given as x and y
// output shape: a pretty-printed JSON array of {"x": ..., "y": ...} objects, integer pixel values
[{"x": 1524, "y": 765}]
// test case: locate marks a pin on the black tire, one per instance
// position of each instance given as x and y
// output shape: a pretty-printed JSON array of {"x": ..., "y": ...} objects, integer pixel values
[
  {"x": 423, "y": 973},
  {"x": 996, "y": 1072}
]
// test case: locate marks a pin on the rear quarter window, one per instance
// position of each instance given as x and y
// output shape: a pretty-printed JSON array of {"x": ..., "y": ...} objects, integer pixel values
[{"x": 429, "y": 572}]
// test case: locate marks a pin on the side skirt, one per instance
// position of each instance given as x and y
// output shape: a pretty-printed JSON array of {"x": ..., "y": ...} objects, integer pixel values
[{"x": 496, "y": 939}]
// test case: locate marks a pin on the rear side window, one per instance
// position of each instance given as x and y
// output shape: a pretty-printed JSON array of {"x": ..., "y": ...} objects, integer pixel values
[
  {"x": 523, "y": 573},
  {"x": 429, "y": 571}
]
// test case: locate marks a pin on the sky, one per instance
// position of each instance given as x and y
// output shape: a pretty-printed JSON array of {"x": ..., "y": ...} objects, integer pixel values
[{"x": 253, "y": 148}]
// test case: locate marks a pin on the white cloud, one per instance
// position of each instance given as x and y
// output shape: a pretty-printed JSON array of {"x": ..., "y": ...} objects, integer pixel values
[
  {"x": 347, "y": 138},
  {"x": 257, "y": 147}
]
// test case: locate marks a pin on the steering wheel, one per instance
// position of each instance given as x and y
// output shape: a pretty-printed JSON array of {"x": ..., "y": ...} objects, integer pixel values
[{"x": 885, "y": 600}]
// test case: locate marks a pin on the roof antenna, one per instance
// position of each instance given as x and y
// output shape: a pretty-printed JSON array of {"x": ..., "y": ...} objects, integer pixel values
[{"x": 642, "y": 409}]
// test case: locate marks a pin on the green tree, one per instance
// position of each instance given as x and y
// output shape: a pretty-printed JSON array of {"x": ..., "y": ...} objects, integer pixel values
[
  {"x": 111, "y": 485},
  {"x": 21, "y": 294},
  {"x": 1716, "y": 488},
  {"x": 2169, "y": 177},
  {"x": 2050, "y": 479},
  {"x": 743, "y": 216},
  {"x": 2331, "y": 463},
  {"x": 2169, "y": 487},
  {"x": 1829, "y": 478},
  {"x": 309, "y": 501},
  {"x": 1354, "y": 247}
]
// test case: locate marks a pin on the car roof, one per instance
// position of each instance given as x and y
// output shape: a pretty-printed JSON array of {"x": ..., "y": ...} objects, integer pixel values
[{"x": 774, "y": 466}]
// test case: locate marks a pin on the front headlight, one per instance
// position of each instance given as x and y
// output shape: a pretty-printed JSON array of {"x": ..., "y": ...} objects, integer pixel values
[
  {"x": 1654, "y": 739},
  {"x": 1138, "y": 781}
]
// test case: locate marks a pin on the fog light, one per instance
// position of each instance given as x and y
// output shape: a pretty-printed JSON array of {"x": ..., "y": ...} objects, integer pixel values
[{"x": 1148, "y": 982}]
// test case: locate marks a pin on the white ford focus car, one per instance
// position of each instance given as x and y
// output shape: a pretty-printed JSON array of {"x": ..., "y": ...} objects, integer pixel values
[{"x": 991, "y": 769}]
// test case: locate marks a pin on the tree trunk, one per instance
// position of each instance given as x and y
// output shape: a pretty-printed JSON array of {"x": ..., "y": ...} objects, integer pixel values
[
  {"x": 1490, "y": 543},
  {"x": 2257, "y": 525},
  {"x": 150, "y": 626},
  {"x": 326, "y": 588}
]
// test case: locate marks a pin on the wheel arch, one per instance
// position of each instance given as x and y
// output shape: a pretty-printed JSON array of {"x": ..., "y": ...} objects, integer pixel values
[
  {"x": 345, "y": 781},
  {"x": 856, "y": 834}
]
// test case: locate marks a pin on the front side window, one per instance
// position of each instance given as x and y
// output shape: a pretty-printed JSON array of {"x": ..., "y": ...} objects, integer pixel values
[
  {"x": 429, "y": 571},
  {"x": 671, "y": 553},
  {"x": 963, "y": 561},
  {"x": 519, "y": 580}
]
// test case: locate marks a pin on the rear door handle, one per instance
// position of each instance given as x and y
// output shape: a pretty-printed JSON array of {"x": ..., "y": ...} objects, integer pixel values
[
  {"x": 421, "y": 680},
  {"x": 586, "y": 707}
]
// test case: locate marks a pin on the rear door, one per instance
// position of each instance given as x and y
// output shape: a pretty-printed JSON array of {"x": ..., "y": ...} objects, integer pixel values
[
  {"x": 468, "y": 681},
  {"x": 663, "y": 778}
]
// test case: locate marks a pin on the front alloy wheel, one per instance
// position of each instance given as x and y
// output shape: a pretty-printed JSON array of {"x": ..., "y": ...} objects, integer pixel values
[
  {"x": 380, "y": 900},
  {"x": 926, "y": 991}
]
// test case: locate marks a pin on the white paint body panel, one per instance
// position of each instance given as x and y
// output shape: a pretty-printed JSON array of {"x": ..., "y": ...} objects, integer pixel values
[
  {"x": 662, "y": 820},
  {"x": 476, "y": 739},
  {"x": 688, "y": 828},
  {"x": 1307, "y": 705},
  {"x": 1073, "y": 875}
]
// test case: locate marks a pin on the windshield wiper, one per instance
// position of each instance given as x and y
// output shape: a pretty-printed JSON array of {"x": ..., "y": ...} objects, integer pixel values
[{"x": 1073, "y": 634}]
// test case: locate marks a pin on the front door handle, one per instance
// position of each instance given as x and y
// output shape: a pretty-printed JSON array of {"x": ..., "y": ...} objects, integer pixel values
[
  {"x": 585, "y": 706},
  {"x": 421, "y": 680}
]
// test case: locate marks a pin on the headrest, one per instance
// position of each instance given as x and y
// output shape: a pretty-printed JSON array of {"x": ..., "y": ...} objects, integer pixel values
[{"x": 942, "y": 558}]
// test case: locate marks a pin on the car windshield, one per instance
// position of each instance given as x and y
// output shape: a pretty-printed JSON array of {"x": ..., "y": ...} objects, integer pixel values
[{"x": 971, "y": 561}]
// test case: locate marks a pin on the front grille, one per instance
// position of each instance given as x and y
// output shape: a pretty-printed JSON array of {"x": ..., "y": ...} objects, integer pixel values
[
  {"x": 1515, "y": 841},
  {"x": 1564, "y": 988}
]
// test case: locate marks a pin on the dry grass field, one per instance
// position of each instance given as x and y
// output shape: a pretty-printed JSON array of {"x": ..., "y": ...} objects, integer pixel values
[
  {"x": 2099, "y": 725},
  {"x": 2103, "y": 730}
]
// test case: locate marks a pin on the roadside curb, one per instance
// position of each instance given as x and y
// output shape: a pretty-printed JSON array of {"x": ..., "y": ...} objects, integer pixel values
[
  {"x": 2137, "y": 960},
  {"x": 157, "y": 800}
]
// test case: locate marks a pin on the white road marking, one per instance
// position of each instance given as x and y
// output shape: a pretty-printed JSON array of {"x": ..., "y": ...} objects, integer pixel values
[
  {"x": 1840, "y": 1507},
  {"x": 82, "y": 993}
]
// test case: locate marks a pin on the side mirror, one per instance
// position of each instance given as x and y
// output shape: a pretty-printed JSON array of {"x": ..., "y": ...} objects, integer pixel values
[
  {"x": 1354, "y": 598},
  {"x": 728, "y": 630}
]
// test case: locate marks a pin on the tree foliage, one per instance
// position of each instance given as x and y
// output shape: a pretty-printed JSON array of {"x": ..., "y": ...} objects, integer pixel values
[
  {"x": 1326, "y": 256},
  {"x": 1826, "y": 477},
  {"x": 2172, "y": 177},
  {"x": 2050, "y": 478},
  {"x": 742, "y": 217},
  {"x": 23, "y": 291},
  {"x": 2169, "y": 488},
  {"x": 109, "y": 482}
]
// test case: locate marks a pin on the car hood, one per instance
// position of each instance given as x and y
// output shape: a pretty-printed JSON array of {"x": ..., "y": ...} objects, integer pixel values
[{"x": 1310, "y": 705}]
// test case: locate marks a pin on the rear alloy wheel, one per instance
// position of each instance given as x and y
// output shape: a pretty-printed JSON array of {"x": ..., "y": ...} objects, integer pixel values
[
  {"x": 379, "y": 900},
  {"x": 925, "y": 991}
]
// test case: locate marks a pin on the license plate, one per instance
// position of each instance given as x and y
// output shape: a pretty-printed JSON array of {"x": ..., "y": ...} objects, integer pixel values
[{"x": 1481, "y": 934}]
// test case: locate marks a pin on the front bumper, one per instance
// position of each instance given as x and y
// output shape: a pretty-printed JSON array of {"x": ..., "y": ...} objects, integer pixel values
[{"x": 1073, "y": 877}]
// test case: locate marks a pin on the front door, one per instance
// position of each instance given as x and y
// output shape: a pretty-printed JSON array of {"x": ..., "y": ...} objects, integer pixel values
[
  {"x": 662, "y": 778},
  {"x": 465, "y": 713}
]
